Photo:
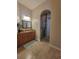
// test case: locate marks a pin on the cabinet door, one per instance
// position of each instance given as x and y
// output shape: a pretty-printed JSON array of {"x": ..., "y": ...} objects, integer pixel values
[{"x": 25, "y": 37}]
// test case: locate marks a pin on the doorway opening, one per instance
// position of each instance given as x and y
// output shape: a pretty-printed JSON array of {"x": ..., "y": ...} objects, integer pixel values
[{"x": 45, "y": 25}]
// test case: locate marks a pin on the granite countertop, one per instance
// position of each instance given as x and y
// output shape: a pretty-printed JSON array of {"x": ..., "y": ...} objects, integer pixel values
[{"x": 26, "y": 30}]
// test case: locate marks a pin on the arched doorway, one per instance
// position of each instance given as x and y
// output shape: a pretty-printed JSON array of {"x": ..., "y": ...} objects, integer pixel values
[{"x": 45, "y": 25}]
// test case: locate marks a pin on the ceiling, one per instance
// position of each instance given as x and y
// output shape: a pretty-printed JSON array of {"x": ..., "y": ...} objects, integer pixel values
[{"x": 31, "y": 4}]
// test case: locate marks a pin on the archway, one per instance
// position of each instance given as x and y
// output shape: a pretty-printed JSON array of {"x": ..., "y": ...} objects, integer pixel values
[{"x": 45, "y": 25}]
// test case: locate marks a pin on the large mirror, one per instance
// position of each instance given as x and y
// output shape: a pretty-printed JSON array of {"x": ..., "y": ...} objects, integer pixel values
[{"x": 26, "y": 22}]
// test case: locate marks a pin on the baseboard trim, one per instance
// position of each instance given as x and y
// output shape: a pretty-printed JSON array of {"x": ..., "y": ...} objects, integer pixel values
[{"x": 54, "y": 46}]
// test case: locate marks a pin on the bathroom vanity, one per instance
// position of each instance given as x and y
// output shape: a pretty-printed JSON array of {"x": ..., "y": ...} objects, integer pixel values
[{"x": 25, "y": 36}]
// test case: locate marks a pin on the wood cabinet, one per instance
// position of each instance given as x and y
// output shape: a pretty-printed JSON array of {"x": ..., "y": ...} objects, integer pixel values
[{"x": 24, "y": 37}]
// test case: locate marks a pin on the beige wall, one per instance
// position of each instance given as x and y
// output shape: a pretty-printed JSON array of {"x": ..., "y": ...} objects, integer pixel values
[
  {"x": 56, "y": 23},
  {"x": 36, "y": 17},
  {"x": 22, "y": 10}
]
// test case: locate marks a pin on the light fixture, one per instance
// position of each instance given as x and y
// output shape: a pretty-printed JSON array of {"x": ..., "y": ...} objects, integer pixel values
[
  {"x": 26, "y": 18},
  {"x": 18, "y": 19}
]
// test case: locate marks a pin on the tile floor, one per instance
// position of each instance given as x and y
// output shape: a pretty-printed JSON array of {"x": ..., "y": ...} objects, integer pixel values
[{"x": 39, "y": 50}]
